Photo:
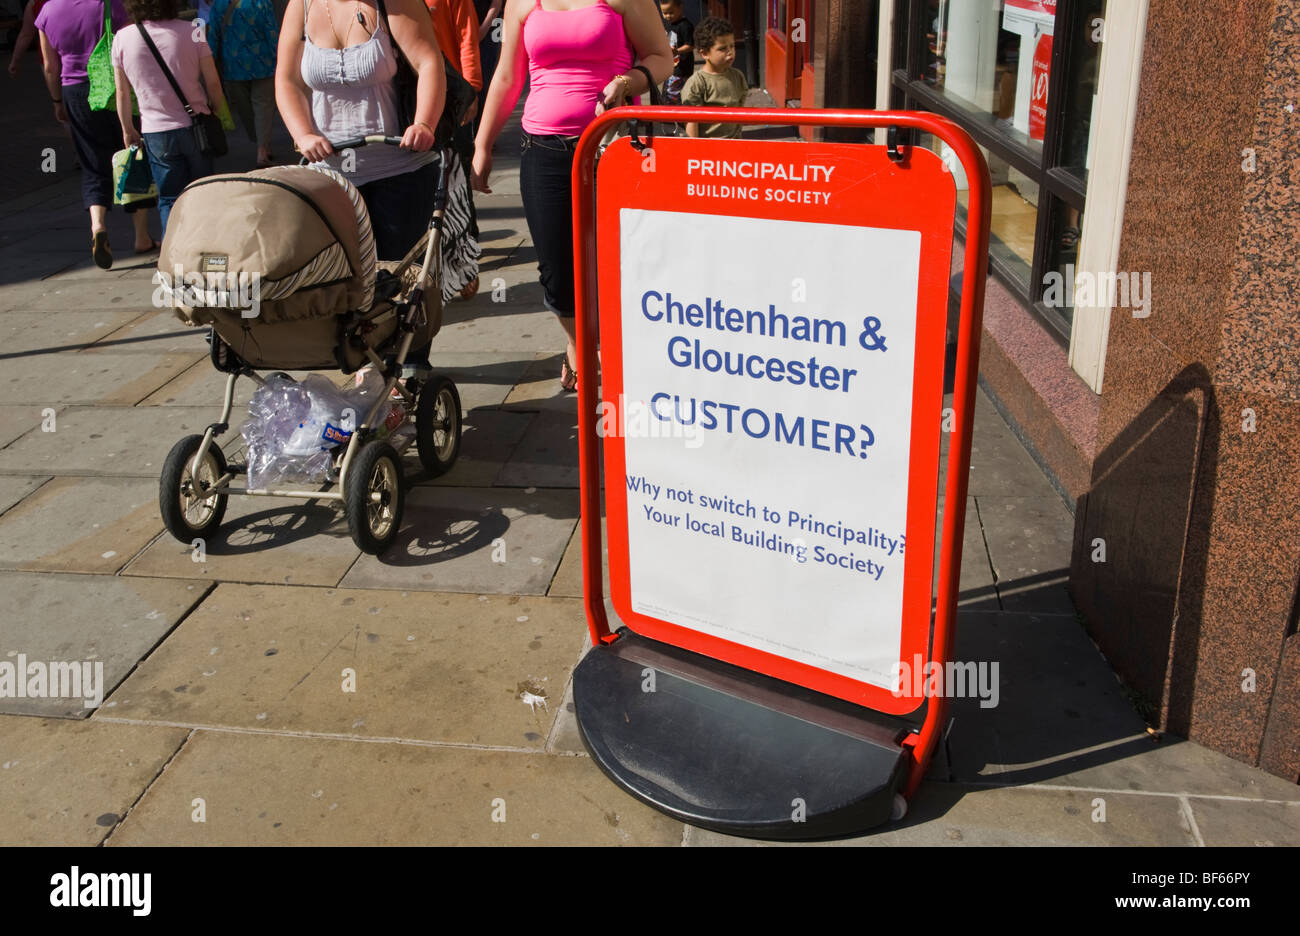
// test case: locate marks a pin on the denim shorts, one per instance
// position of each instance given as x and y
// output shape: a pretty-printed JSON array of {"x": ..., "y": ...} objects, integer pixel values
[{"x": 546, "y": 187}]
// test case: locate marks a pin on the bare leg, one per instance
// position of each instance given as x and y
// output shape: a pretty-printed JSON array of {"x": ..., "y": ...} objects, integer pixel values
[
  {"x": 100, "y": 250},
  {"x": 143, "y": 241},
  {"x": 570, "y": 325}
]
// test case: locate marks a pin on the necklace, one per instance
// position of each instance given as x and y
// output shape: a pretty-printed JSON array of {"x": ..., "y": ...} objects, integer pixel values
[{"x": 342, "y": 40}]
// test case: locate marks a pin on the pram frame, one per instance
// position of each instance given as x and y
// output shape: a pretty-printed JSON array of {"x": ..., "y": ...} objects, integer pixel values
[{"x": 408, "y": 308}]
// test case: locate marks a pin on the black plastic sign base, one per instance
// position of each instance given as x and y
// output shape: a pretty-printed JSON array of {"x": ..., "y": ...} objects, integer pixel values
[{"x": 733, "y": 751}]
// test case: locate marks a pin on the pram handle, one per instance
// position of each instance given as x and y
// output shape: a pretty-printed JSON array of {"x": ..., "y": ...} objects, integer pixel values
[{"x": 354, "y": 142}]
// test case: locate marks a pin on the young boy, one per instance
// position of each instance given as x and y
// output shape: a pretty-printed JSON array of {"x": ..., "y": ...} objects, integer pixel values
[
  {"x": 681, "y": 36},
  {"x": 717, "y": 84}
]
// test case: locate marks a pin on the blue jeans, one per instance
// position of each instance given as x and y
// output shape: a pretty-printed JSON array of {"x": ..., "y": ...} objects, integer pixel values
[{"x": 175, "y": 161}]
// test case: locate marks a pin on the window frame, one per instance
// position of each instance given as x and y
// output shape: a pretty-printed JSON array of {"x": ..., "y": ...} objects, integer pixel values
[{"x": 1055, "y": 182}]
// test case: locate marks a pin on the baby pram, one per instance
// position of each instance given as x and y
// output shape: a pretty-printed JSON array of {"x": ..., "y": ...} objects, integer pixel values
[{"x": 280, "y": 265}]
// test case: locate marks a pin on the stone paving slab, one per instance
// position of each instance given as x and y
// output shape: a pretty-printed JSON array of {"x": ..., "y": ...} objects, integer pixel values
[
  {"x": 1171, "y": 765},
  {"x": 539, "y": 388},
  {"x": 482, "y": 379},
  {"x": 14, "y": 489},
  {"x": 946, "y": 814},
  {"x": 276, "y": 540},
  {"x": 81, "y": 525},
  {"x": 323, "y": 792},
  {"x": 75, "y": 618},
  {"x": 205, "y": 386},
  {"x": 1029, "y": 543},
  {"x": 456, "y": 669},
  {"x": 499, "y": 246},
  {"x": 126, "y": 264},
  {"x": 976, "y": 589},
  {"x": 999, "y": 464},
  {"x": 568, "y": 577},
  {"x": 24, "y": 332},
  {"x": 71, "y": 293},
  {"x": 115, "y": 441},
  {"x": 488, "y": 436},
  {"x": 524, "y": 325},
  {"x": 202, "y": 385},
  {"x": 1227, "y": 822},
  {"x": 1058, "y": 707},
  {"x": 27, "y": 293},
  {"x": 159, "y": 332},
  {"x": 546, "y": 456},
  {"x": 17, "y": 420},
  {"x": 24, "y": 266},
  {"x": 450, "y": 537},
  {"x": 70, "y": 783},
  {"x": 82, "y": 377}
]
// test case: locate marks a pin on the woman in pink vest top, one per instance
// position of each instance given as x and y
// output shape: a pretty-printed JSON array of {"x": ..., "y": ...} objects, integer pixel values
[{"x": 580, "y": 57}]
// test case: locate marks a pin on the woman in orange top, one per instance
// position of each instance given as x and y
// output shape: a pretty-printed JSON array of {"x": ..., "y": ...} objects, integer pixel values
[{"x": 455, "y": 24}]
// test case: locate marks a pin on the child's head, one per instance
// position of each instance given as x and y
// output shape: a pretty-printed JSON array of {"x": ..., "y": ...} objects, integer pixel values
[
  {"x": 715, "y": 39},
  {"x": 671, "y": 9}
]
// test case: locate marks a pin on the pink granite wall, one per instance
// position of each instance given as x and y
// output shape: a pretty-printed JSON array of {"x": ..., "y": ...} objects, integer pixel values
[{"x": 1196, "y": 487}]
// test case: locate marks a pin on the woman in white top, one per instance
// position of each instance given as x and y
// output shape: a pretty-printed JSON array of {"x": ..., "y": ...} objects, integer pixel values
[{"x": 334, "y": 80}]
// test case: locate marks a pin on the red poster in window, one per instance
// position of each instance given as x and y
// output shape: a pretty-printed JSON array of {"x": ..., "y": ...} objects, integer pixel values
[
  {"x": 1038, "y": 88},
  {"x": 1041, "y": 7}
]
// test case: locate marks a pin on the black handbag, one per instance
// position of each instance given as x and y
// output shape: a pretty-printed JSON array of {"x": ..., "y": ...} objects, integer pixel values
[
  {"x": 460, "y": 93},
  {"x": 629, "y": 127},
  {"x": 209, "y": 135}
]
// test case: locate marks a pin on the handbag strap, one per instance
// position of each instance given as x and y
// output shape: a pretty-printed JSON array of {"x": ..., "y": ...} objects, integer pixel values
[
  {"x": 225, "y": 24},
  {"x": 230, "y": 11},
  {"x": 401, "y": 56},
  {"x": 165, "y": 70},
  {"x": 108, "y": 20},
  {"x": 655, "y": 97}
]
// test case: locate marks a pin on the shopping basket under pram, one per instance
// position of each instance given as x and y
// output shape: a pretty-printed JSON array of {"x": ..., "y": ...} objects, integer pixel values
[{"x": 280, "y": 265}]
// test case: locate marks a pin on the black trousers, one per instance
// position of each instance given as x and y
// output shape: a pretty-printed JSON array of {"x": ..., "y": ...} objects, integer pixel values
[
  {"x": 546, "y": 185},
  {"x": 96, "y": 136}
]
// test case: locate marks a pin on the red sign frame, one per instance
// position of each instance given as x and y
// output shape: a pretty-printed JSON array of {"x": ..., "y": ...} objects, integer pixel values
[
  {"x": 588, "y": 289},
  {"x": 866, "y": 189}
]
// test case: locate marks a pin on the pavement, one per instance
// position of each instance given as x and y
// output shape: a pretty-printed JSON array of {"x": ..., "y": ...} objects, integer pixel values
[{"x": 229, "y": 718}]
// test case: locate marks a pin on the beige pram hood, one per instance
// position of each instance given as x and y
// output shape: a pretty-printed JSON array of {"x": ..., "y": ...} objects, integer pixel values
[{"x": 271, "y": 246}]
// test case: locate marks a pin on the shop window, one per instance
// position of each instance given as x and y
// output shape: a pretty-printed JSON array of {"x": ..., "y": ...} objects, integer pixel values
[
  {"x": 1021, "y": 77},
  {"x": 776, "y": 16}
]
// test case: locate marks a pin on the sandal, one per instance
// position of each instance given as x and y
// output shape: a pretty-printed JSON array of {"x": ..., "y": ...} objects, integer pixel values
[
  {"x": 100, "y": 251},
  {"x": 470, "y": 289},
  {"x": 153, "y": 247},
  {"x": 568, "y": 376}
]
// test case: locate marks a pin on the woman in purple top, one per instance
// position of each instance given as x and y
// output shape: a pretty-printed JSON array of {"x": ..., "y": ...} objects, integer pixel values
[{"x": 69, "y": 32}]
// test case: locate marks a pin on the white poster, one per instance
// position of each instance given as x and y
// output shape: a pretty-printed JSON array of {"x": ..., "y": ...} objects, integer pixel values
[{"x": 768, "y": 395}]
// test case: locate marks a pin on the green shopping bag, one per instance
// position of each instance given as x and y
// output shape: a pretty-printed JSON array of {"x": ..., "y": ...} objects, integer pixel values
[
  {"x": 103, "y": 94},
  {"x": 132, "y": 180}
]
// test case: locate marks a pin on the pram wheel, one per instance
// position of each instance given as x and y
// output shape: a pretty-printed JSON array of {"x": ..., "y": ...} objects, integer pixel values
[
  {"x": 437, "y": 425},
  {"x": 188, "y": 510},
  {"x": 374, "y": 497}
]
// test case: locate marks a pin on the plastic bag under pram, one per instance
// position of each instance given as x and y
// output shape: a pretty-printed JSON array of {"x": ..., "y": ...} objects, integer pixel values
[{"x": 281, "y": 263}]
